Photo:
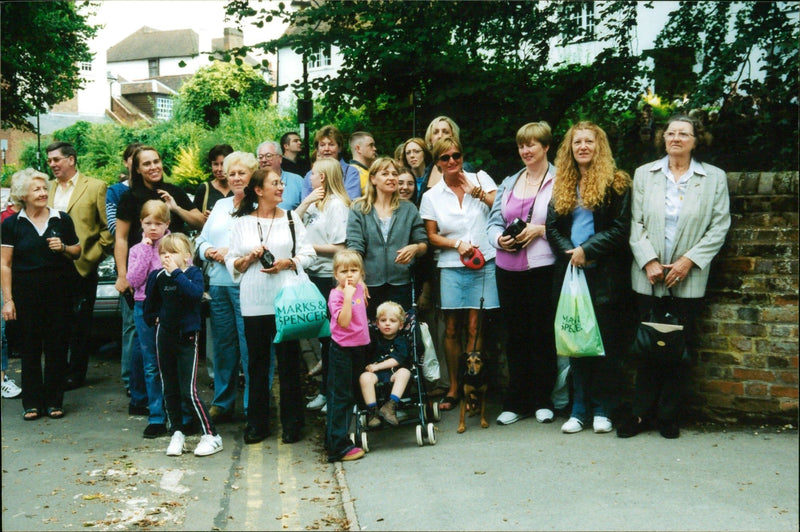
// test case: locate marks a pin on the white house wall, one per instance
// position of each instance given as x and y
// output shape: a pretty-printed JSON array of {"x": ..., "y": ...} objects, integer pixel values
[{"x": 290, "y": 70}]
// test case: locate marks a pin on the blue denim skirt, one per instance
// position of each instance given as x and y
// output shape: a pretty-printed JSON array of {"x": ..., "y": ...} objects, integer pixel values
[{"x": 462, "y": 288}]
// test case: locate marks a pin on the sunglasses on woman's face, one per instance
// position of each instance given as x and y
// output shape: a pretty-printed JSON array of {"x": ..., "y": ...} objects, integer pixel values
[{"x": 446, "y": 157}]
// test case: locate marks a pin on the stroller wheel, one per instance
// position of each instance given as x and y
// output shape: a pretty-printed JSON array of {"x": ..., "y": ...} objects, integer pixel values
[
  {"x": 431, "y": 434},
  {"x": 364, "y": 442},
  {"x": 420, "y": 441},
  {"x": 437, "y": 414}
]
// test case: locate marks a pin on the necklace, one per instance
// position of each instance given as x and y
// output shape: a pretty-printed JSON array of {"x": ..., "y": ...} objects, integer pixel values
[{"x": 258, "y": 224}]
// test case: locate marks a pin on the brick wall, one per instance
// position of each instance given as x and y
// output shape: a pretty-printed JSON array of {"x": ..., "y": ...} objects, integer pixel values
[{"x": 748, "y": 363}]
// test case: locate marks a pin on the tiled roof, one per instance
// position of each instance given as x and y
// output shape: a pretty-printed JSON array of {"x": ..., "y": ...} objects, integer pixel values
[{"x": 149, "y": 43}]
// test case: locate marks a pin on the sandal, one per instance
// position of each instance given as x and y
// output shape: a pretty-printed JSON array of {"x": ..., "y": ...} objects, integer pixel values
[
  {"x": 55, "y": 412},
  {"x": 448, "y": 403},
  {"x": 30, "y": 414}
]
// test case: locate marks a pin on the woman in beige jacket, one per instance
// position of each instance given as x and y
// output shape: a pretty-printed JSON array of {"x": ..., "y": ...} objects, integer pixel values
[{"x": 680, "y": 216}]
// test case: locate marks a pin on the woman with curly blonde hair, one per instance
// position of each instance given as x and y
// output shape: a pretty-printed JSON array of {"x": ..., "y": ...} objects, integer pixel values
[{"x": 588, "y": 223}]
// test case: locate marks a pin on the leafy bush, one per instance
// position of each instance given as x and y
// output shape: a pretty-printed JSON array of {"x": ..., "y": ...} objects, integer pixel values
[
  {"x": 247, "y": 126},
  {"x": 188, "y": 172},
  {"x": 104, "y": 146},
  {"x": 215, "y": 89}
]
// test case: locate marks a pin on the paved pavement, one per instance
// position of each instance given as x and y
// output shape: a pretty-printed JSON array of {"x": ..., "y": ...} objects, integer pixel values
[{"x": 92, "y": 469}]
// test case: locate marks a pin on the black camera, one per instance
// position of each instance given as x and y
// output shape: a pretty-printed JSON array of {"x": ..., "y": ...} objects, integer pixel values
[
  {"x": 514, "y": 229},
  {"x": 267, "y": 259}
]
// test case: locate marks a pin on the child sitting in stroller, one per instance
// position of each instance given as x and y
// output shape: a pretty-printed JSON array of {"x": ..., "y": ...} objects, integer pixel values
[{"x": 391, "y": 355}]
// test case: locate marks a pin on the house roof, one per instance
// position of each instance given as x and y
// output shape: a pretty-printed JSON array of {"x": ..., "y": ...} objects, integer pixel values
[{"x": 149, "y": 43}]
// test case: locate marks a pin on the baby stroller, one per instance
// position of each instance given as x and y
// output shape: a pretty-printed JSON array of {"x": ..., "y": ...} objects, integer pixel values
[{"x": 414, "y": 407}]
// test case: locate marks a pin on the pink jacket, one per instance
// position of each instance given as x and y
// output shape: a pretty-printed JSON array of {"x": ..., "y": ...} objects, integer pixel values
[{"x": 142, "y": 259}]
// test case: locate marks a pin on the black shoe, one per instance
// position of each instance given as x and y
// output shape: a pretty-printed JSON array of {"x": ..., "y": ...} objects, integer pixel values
[
  {"x": 251, "y": 435},
  {"x": 138, "y": 410},
  {"x": 669, "y": 429},
  {"x": 631, "y": 427},
  {"x": 154, "y": 430},
  {"x": 292, "y": 436},
  {"x": 72, "y": 383}
]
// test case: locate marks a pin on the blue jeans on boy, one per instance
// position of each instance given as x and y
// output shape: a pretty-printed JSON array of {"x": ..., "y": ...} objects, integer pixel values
[
  {"x": 344, "y": 364},
  {"x": 229, "y": 348},
  {"x": 152, "y": 377}
]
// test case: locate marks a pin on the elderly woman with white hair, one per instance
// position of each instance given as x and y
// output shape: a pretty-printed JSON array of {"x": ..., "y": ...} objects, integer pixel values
[
  {"x": 39, "y": 245},
  {"x": 227, "y": 325}
]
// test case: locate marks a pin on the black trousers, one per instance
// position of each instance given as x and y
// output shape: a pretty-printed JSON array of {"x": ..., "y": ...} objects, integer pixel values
[
  {"x": 388, "y": 292},
  {"x": 325, "y": 285},
  {"x": 529, "y": 313},
  {"x": 177, "y": 362},
  {"x": 42, "y": 300},
  {"x": 660, "y": 386},
  {"x": 259, "y": 332},
  {"x": 84, "y": 296}
]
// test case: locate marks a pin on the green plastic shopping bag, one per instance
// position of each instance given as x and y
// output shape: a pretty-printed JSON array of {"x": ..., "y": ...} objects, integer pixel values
[
  {"x": 300, "y": 310},
  {"x": 577, "y": 332}
]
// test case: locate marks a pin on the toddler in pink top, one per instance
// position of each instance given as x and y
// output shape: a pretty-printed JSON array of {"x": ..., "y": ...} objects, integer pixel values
[{"x": 350, "y": 338}]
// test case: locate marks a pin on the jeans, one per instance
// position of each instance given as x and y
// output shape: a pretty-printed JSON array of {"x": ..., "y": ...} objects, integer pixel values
[
  {"x": 597, "y": 380},
  {"x": 531, "y": 349},
  {"x": 344, "y": 365},
  {"x": 152, "y": 376},
  {"x": 260, "y": 331},
  {"x": 227, "y": 332},
  {"x": 177, "y": 360},
  {"x": 128, "y": 342}
]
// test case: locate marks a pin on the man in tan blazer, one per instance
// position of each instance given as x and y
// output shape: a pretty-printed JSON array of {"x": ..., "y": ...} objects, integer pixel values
[{"x": 84, "y": 199}]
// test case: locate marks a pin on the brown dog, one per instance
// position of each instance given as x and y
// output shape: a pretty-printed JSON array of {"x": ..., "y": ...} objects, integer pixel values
[{"x": 473, "y": 385}]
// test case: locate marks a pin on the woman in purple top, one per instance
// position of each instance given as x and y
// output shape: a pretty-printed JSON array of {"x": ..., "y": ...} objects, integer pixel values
[{"x": 525, "y": 276}]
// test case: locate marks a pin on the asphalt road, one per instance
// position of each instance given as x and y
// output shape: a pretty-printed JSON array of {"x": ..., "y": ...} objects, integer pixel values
[{"x": 93, "y": 469}]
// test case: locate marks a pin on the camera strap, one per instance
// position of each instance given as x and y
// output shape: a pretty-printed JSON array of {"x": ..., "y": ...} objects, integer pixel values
[{"x": 541, "y": 183}]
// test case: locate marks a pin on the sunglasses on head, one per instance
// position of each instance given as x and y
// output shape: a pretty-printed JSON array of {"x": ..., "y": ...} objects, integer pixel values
[{"x": 446, "y": 157}]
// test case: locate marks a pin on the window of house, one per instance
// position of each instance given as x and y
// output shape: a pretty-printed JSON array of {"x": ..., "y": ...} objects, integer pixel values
[
  {"x": 152, "y": 66},
  {"x": 86, "y": 66},
  {"x": 320, "y": 58},
  {"x": 579, "y": 21},
  {"x": 163, "y": 108}
]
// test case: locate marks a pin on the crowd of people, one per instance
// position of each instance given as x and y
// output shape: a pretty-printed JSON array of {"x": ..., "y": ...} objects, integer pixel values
[{"x": 377, "y": 236}]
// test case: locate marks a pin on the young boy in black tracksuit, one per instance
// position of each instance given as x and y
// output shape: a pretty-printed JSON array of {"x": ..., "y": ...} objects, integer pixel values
[{"x": 172, "y": 303}]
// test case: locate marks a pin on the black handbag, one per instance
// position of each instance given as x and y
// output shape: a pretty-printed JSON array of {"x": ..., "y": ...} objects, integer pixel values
[{"x": 660, "y": 336}]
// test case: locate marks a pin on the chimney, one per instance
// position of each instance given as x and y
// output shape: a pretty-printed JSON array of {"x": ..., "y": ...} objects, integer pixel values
[{"x": 232, "y": 38}]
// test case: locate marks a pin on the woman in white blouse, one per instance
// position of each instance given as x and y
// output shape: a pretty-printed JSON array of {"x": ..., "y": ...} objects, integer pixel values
[
  {"x": 456, "y": 211},
  {"x": 260, "y": 259}
]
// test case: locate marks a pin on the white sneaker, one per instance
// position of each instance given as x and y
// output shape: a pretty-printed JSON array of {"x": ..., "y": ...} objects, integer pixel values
[
  {"x": 601, "y": 424},
  {"x": 544, "y": 415},
  {"x": 572, "y": 425},
  {"x": 10, "y": 390},
  {"x": 508, "y": 417},
  {"x": 176, "y": 444},
  {"x": 208, "y": 445},
  {"x": 324, "y": 409},
  {"x": 317, "y": 403}
]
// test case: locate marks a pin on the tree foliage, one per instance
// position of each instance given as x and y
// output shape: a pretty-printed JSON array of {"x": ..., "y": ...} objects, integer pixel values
[
  {"x": 218, "y": 87},
  {"x": 752, "y": 96},
  {"x": 43, "y": 44},
  {"x": 482, "y": 63}
]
